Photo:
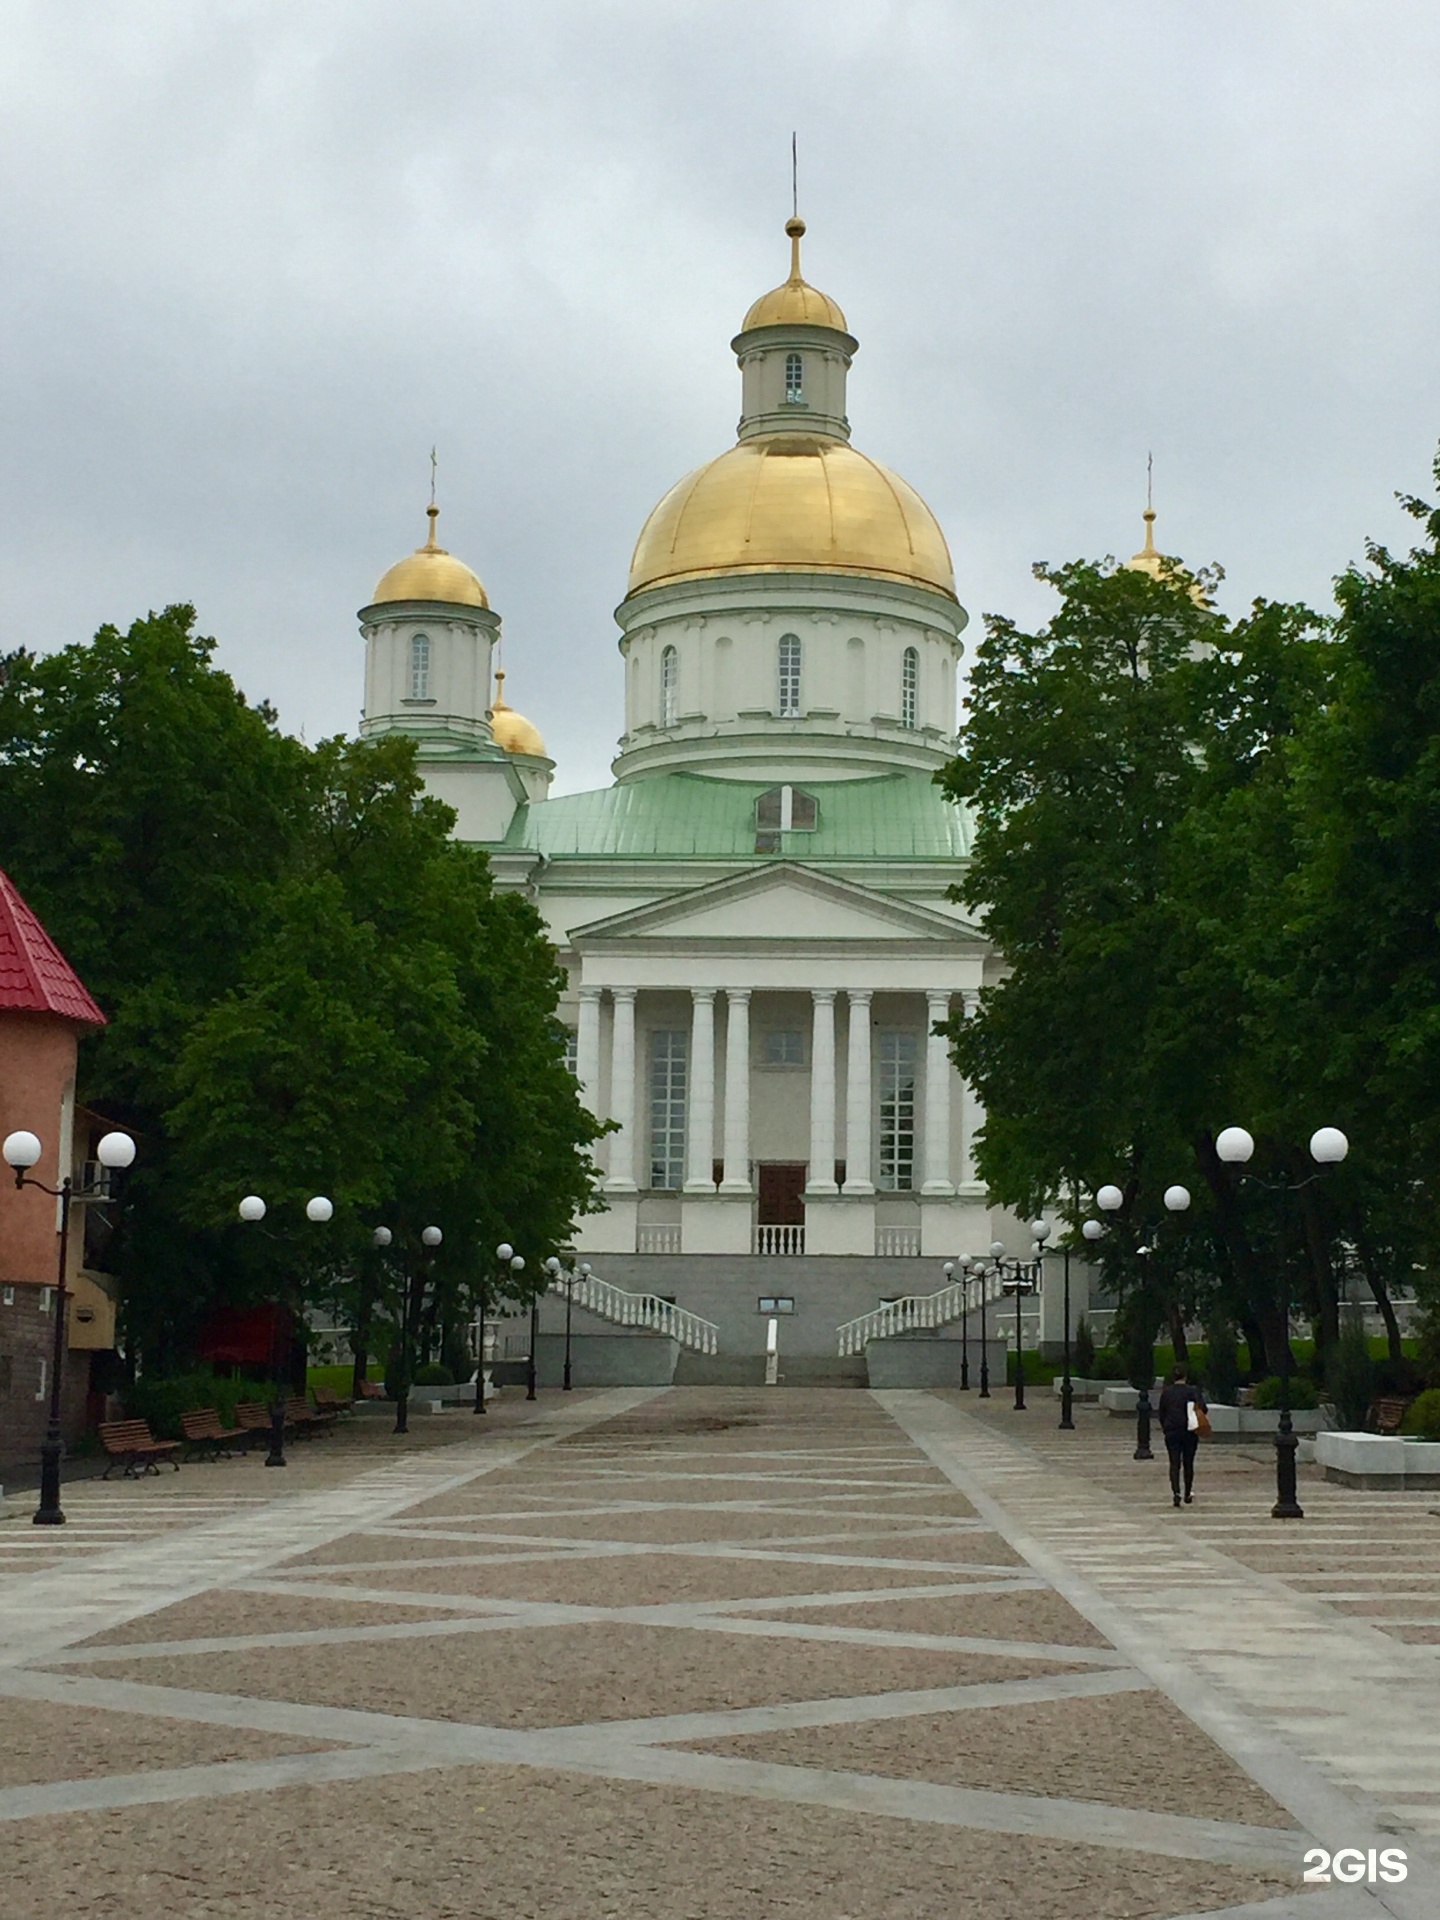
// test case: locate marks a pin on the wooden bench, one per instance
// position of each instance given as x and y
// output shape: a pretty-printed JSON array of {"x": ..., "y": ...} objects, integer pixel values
[
  {"x": 1389, "y": 1415},
  {"x": 372, "y": 1389},
  {"x": 208, "y": 1440},
  {"x": 328, "y": 1401},
  {"x": 252, "y": 1417},
  {"x": 132, "y": 1442},
  {"x": 306, "y": 1420}
]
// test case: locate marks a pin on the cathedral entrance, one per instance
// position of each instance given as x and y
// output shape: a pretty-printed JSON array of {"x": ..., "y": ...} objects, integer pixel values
[{"x": 781, "y": 1193}]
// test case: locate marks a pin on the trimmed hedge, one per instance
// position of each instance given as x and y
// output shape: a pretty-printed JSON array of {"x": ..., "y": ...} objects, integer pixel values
[
  {"x": 162, "y": 1402},
  {"x": 1422, "y": 1419}
]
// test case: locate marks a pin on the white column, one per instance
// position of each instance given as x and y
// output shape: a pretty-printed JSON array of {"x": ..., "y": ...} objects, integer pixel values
[
  {"x": 700, "y": 1143},
  {"x": 972, "y": 1112},
  {"x": 737, "y": 1091},
  {"x": 857, "y": 1095},
  {"x": 822, "y": 1092},
  {"x": 622, "y": 1092},
  {"x": 587, "y": 1047},
  {"x": 937, "y": 1097}
]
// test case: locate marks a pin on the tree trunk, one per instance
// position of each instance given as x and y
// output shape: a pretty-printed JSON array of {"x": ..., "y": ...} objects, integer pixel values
[
  {"x": 1256, "y": 1355},
  {"x": 1175, "y": 1314},
  {"x": 1387, "y": 1314}
]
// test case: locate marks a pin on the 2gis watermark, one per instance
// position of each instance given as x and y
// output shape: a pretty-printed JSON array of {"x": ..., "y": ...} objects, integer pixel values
[{"x": 1356, "y": 1866}]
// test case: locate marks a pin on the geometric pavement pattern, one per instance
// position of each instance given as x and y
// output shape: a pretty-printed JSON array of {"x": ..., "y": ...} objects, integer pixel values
[{"x": 700, "y": 1653}]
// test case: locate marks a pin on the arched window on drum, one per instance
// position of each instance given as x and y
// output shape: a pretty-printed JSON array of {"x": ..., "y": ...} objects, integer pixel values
[
  {"x": 669, "y": 686},
  {"x": 910, "y": 688},
  {"x": 420, "y": 666}
]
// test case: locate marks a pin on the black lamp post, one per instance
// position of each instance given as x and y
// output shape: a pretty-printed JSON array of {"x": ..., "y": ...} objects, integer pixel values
[
  {"x": 1328, "y": 1147},
  {"x": 1020, "y": 1284},
  {"x": 1041, "y": 1231},
  {"x": 949, "y": 1270},
  {"x": 22, "y": 1151},
  {"x": 508, "y": 1257},
  {"x": 252, "y": 1211},
  {"x": 479, "y": 1406},
  {"x": 412, "y": 1298},
  {"x": 1110, "y": 1199},
  {"x": 982, "y": 1274},
  {"x": 583, "y": 1272}
]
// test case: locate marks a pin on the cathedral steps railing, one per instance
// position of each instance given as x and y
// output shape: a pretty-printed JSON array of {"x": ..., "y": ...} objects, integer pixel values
[
  {"x": 917, "y": 1313},
  {"x": 782, "y": 1240},
  {"x": 625, "y": 1309}
]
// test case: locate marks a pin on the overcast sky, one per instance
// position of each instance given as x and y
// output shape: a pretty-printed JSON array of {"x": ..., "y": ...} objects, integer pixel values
[{"x": 260, "y": 255}]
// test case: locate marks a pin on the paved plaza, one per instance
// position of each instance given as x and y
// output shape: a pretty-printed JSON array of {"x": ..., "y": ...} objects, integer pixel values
[{"x": 717, "y": 1655}]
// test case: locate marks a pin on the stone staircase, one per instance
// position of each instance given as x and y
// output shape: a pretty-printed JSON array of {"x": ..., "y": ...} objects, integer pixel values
[
  {"x": 919, "y": 1313},
  {"x": 646, "y": 1312}
]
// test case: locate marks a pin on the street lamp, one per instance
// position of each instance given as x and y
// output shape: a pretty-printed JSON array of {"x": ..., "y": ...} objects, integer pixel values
[
  {"x": 1328, "y": 1147},
  {"x": 1110, "y": 1198},
  {"x": 982, "y": 1274},
  {"x": 252, "y": 1211},
  {"x": 22, "y": 1150},
  {"x": 949, "y": 1270},
  {"x": 508, "y": 1257},
  {"x": 1041, "y": 1231},
  {"x": 554, "y": 1267},
  {"x": 1019, "y": 1283}
]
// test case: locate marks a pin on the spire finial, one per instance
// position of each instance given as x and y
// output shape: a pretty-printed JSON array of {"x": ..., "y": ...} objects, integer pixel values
[
  {"x": 432, "y": 511},
  {"x": 794, "y": 178},
  {"x": 499, "y": 700},
  {"x": 1149, "y": 514}
]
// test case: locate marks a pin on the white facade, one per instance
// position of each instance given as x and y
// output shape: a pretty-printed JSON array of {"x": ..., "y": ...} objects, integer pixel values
[{"x": 755, "y": 919}]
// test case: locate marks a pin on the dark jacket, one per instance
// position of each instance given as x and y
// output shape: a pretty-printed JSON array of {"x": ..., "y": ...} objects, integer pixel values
[{"x": 1174, "y": 1400}]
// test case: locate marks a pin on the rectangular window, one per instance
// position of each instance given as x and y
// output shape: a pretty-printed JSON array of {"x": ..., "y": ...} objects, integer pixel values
[
  {"x": 668, "y": 1052},
  {"x": 789, "y": 676},
  {"x": 794, "y": 379},
  {"x": 784, "y": 1049},
  {"x": 8, "y": 1297},
  {"x": 910, "y": 688},
  {"x": 45, "y": 1293},
  {"x": 572, "y": 1050},
  {"x": 898, "y": 1053},
  {"x": 775, "y": 1303},
  {"x": 40, "y": 1391}
]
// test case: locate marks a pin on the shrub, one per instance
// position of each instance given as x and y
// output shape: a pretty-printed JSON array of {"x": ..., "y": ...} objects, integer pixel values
[
  {"x": 1109, "y": 1364},
  {"x": 1303, "y": 1394},
  {"x": 432, "y": 1374},
  {"x": 1422, "y": 1418},
  {"x": 162, "y": 1401},
  {"x": 1222, "y": 1364},
  {"x": 1083, "y": 1348},
  {"x": 1352, "y": 1375},
  {"x": 1399, "y": 1379}
]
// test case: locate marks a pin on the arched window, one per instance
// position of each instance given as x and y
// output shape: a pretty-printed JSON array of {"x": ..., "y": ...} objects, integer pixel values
[
  {"x": 669, "y": 686},
  {"x": 420, "y": 666},
  {"x": 794, "y": 378},
  {"x": 910, "y": 688},
  {"x": 789, "y": 676}
]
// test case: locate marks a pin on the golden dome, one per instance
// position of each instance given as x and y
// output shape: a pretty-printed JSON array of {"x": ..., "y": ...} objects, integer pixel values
[
  {"x": 792, "y": 503},
  {"x": 430, "y": 573},
  {"x": 1148, "y": 560},
  {"x": 512, "y": 730},
  {"x": 796, "y": 301}
]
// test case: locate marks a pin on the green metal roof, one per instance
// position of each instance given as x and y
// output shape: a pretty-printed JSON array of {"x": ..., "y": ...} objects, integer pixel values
[{"x": 683, "y": 815}]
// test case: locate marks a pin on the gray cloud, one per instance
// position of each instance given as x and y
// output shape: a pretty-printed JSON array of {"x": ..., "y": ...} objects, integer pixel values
[{"x": 260, "y": 256}]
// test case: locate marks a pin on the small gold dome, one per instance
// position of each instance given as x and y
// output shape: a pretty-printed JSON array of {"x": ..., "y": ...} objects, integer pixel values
[
  {"x": 512, "y": 730},
  {"x": 430, "y": 573},
  {"x": 1148, "y": 560},
  {"x": 792, "y": 503},
  {"x": 796, "y": 302}
]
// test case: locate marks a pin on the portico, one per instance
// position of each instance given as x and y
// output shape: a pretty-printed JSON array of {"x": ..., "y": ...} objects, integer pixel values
[{"x": 772, "y": 1092}]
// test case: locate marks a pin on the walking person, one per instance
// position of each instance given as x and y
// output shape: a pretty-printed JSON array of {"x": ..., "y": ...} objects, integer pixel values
[{"x": 1182, "y": 1421}]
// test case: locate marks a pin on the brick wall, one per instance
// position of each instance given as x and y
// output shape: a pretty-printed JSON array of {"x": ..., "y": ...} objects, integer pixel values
[{"x": 27, "y": 1335}]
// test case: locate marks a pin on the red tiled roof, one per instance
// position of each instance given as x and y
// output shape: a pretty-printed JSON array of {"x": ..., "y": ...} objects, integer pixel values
[{"x": 35, "y": 977}]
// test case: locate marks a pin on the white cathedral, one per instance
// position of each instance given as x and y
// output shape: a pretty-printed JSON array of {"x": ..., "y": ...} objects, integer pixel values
[{"x": 755, "y": 917}]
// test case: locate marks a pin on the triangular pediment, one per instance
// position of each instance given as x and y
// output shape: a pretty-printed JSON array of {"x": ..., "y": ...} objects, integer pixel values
[{"x": 783, "y": 902}]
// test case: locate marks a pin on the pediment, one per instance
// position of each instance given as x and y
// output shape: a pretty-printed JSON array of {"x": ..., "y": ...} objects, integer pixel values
[{"x": 783, "y": 902}]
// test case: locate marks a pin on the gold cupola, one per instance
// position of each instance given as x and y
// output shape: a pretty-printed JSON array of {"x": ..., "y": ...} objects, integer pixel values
[
  {"x": 1148, "y": 559},
  {"x": 512, "y": 730},
  {"x": 792, "y": 495},
  {"x": 795, "y": 302},
  {"x": 431, "y": 574}
]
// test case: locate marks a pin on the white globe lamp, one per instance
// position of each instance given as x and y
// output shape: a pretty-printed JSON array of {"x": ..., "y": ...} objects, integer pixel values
[
  {"x": 1234, "y": 1146},
  {"x": 1092, "y": 1230},
  {"x": 252, "y": 1207},
  {"x": 1177, "y": 1199},
  {"x": 319, "y": 1209},
  {"x": 431, "y": 1237},
  {"x": 21, "y": 1150},
  {"x": 115, "y": 1150},
  {"x": 1328, "y": 1146},
  {"x": 1110, "y": 1199}
]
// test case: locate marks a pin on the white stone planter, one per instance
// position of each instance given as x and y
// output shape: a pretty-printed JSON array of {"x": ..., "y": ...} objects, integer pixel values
[
  {"x": 1123, "y": 1400},
  {"x": 1378, "y": 1460},
  {"x": 1235, "y": 1424},
  {"x": 1084, "y": 1389}
]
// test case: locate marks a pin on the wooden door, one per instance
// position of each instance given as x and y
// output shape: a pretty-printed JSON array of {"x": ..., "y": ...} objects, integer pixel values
[{"x": 782, "y": 1193}]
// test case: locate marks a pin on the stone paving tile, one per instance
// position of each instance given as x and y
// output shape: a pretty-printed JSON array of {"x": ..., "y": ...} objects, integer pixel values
[
  {"x": 497, "y": 1843},
  {"x": 671, "y": 1525},
  {"x": 223, "y": 1611},
  {"x": 1003, "y": 1616},
  {"x": 559, "y": 1676},
  {"x": 1125, "y": 1749},
  {"x": 398, "y": 1546},
  {"x": 39, "y": 1743},
  {"x": 640, "y": 1579}
]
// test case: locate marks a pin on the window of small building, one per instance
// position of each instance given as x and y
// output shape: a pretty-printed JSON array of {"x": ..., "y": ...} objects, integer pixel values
[
  {"x": 669, "y": 686},
  {"x": 786, "y": 810},
  {"x": 910, "y": 688},
  {"x": 794, "y": 378}
]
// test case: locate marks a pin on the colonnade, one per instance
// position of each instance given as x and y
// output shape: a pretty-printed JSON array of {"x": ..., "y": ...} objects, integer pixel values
[{"x": 934, "y": 1172}]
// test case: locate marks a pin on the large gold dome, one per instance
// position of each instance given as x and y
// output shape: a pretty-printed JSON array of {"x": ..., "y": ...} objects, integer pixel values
[
  {"x": 792, "y": 503},
  {"x": 512, "y": 730},
  {"x": 430, "y": 573}
]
